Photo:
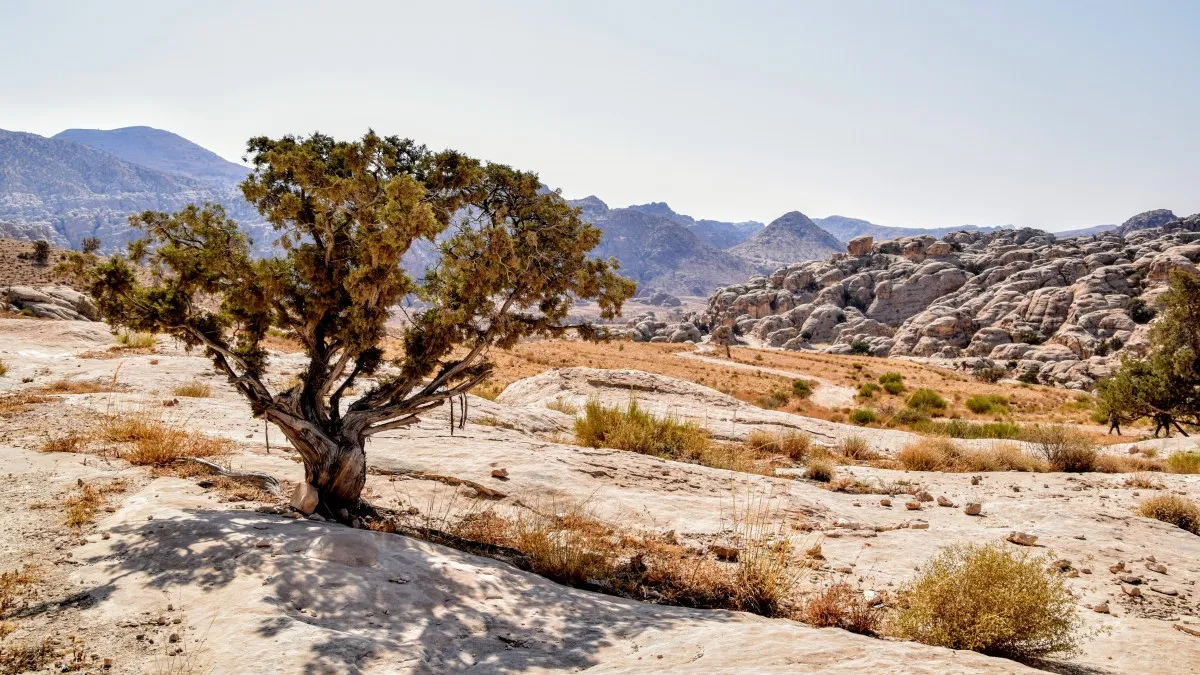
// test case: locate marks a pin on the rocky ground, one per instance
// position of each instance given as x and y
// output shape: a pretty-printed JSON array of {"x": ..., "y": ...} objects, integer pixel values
[{"x": 244, "y": 590}]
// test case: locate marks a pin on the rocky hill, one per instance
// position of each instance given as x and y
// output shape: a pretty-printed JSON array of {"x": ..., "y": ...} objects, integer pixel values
[
  {"x": 717, "y": 233},
  {"x": 63, "y": 190},
  {"x": 161, "y": 150},
  {"x": 1055, "y": 310},
  {"x": 845, "y": 229},
  {"x": 661, "y": 252},
  {"x": 790, "y": 237}
]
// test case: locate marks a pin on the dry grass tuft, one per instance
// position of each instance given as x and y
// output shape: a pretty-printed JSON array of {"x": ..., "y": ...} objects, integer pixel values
[
  {"x": 134, "y": 340},
  {"x": 18, "y": 657},
  {"x": 563, "y": 406},
  {"x": 17, "y": 586},
  {"x": 821, "y": 470},
  {"x": 69, "y": 386},
  {"x": 82, "y": 504},
  {"x": 19, "y": 402},
  {"x": 839, "y": 606},
  {"x": 1144, "y": 481},
  {"x": 70, "y": 442},
  {"x": 1178, "y": 511},
  {"x": 1126, "y": 464},
  {"x": 988, "y": 599},
  {"x": 941, "y": 454},
  {"x": 1184, "y": 462},
  {"x": 794, "y": 445},
  {"x": 194, "y": 389},
  {"x": 154, "y": 443},
  {"x": 856, "y": 448}
]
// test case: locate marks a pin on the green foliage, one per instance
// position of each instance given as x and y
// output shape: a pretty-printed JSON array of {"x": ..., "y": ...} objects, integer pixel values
[
  {"x": 41, "y": 252},
  {"x": 893, "y": 383},
  {"x": 1140, "y": 312},
  {"x": 989, "y": 599},
  {"x": 773, "y": 400},
  {"x": 982, "y": 404},
  {"x": 863, "y": 416},
  {"x": 514, "y": 259},
  {"x": 965, "y": 429},
  {"x": 860, "y": 347},
  {"x": 636, "y": 430},
  {"x": 1167, "y": 381},
  {"x": 802, "y": 389},
  {"x": 867, "y": 389},
  {"x": 1028, "y": 377},
  {"x": 90, "y": 244},
  {"x": 926, "y": 400},
  {"x": 989, "y": 375},
  {"x": 806, "y": 335}
]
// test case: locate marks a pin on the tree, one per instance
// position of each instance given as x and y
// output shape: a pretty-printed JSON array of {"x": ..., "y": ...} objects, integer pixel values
[
  {"x": 90, "y": 244},
  {"x": 513, "y": 259},
  {"x": 1167, "y": 382},
  {"x": 41, "y": 252}
]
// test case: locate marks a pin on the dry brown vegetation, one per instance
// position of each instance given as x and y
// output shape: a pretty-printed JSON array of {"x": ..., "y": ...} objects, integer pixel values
[
  {"x": 193, "y": 389},
  {"x": 69, "y": 386},
  {"x": 1178, "y": 511},
  {"x": 989, "y": 599},
  {"x": 82, "y": 503},
  {"x": 941, "y": 454},
  {"x": 150, "y": 442},
  {"x": 567, "y": 544},
  {"x": 840, "y": 606},
  {"x": 19, "y": 402}
]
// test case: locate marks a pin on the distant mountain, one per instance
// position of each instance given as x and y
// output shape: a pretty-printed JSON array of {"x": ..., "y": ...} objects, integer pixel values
[
  {"x": 719, "y": 234},
  {"x": 845, "y": 229},
  {"x": 1084, "y": 231},
  {"x": 161, "y": 150},
  {"x": 791, "y": 238},
  {"x": 660, "y": 252},
  {"x": 78, "y": 191},
  {"x": 1146, "y": 220}
]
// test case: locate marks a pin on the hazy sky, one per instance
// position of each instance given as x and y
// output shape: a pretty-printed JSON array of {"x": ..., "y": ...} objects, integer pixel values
[{"x": 1047, "y": 114}]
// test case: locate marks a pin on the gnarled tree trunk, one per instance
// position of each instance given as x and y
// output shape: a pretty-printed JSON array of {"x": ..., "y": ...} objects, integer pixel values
[{"x": 335, "y": 466}]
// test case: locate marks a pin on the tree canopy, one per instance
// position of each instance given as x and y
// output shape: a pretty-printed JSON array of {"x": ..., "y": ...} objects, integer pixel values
[
  {"x": 513, "y": 257},
  {"x": 1167, "y": 381}
]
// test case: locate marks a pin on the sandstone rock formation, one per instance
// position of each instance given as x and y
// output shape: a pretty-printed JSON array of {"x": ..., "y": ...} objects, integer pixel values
[
  {"x": 1060, "y": 311},
  {"x": 49, "y": 302}
]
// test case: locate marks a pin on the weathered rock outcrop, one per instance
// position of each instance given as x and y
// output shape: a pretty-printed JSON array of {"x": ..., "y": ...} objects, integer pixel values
[
  {"x": 1057, "y": 310},
  {"x": 49, "y": 302}
]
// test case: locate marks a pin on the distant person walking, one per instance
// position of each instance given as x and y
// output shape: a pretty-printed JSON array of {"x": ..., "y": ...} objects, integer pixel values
[{"x": 1114, "y": 422}]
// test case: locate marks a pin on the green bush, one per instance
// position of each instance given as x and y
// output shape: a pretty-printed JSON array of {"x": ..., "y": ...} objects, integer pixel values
[
  {"x": 893, "y": 388},
  {"x": 965, "y": 429},
  {"x": 927, "y": 400},
  {"x": 860, "y": 347},
  {"x": 867, "y": 389},
  {"x": 802, "y": 388},
  {"x": 982, "y": 404},
  {"x": 908, "y": 417},
  {"x": 891, "y": 377},
  {"x": 863, "y": 416},
  {"x": 989, "y": 375},
  {"x": 989, "y": 599},
  {"x": 1028, "y": 377},
  {"x": 1062, "y": 448},
  {"x": 773, "y": 400}
]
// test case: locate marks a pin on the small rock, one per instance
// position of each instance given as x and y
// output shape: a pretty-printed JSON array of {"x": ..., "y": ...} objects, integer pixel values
[
  {"x": 499, "y": 473},
  {"x": 973, "y": 509},
  {"x": 1156, "y": 567},
  {"x": 918, "y": 525},
  {"x": 975, "y": 480},
  {"x": 913, "y": 506},
  {"x": 1164, "y": 590},
  {"x": 1016, "y": 489},
  {"x": 108, "y": 662},
  {"x": 924, "y": 496},
  {"x": 262, "y": 543},
  {"x": 1150, "y": 558},
  {"x": 316, "y": 517},
  {"x": 942, "y": 501},
  {"x": 305, "y": 498},
  {"x": 1060, "y": 565},
  {"x": 1131, "y": 591},
  {"x": 1085, "y": 570},
  {"x": 170, "y": 607},
  {"x": 1130, "y": 579},
  {"x": 1022, "y": 538},
  {"x": 1101, "y": 607},
  {"x": 105, "y": 535},
  {"x": 1119, "y": 567},
  {"x": 173, "y": 637},
  {"x": 885, "y": 502}
]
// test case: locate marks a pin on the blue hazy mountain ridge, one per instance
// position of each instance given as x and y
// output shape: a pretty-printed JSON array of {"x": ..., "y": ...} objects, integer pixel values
[{"x": 161, "y": 150}]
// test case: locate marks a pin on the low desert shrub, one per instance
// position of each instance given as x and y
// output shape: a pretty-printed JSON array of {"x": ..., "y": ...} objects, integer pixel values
[
  {"x": 194, "y": 389},
  {"x": 908, "y": 417},
  {"x": 983, "y": 404},
  {"x": 70, "y": 442},
  {"x": 1178, "y": 511},
  {"x": 488, "y": 390},
  {"x": 1126, "y": 464},
  {"x": 965, "y": 429},
  {"x": 821, "y": 470},
  {"x": 82, "y": 503},
  {"x": 561, "y": 405},
  {"x": 840, "y": 606},
  {"x": 1062, "y": 448},
  {"x": 989, "y": 599},
  {"x": 926, "y": 400},
  {"x": 855, "y": 447},
  {"x": 133, "y": 340},
  {"x": 861, "y": 347},
  {"x": 928, "y": 454},
  {"x": 773, "y": 400},
  {"x": 989, "y": 375},
  {"x": 867, "y": 389},
  {"x": 69, "y": 386},
  {"x": 863, "y": 416},
  {"x": 793, "y": 444},
  {"x": 636, "y": 430},
  {"x": 1144, "y": 481},
  {"x": 1184, "y": 462},
  {"x": 802, "y": 389},
  {"x": 935, "y": 454},
  {"x": 892, "y": 383}
]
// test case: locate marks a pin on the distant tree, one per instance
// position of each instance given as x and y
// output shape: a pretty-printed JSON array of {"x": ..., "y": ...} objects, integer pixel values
[
  {"x": 90, "y": 244},
  {"x": 513, "y": 259},
  {"x": 1166, "y": 384},
  {"x": 41, "y": 252}
]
